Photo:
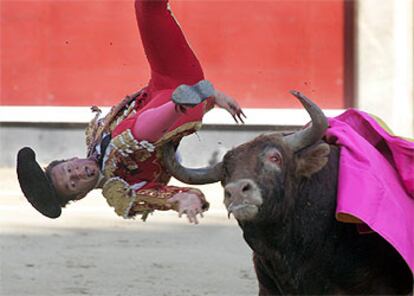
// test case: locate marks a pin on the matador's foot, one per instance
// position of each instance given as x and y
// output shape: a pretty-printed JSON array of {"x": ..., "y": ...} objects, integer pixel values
[{"x": 190, "y": 96}]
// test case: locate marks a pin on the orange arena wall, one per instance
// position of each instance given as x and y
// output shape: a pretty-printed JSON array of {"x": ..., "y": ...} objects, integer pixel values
[{"x": 82, "y": 53}]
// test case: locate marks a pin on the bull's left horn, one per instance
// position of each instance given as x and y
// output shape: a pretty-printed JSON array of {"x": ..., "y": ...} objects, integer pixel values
[
  {"x": 187, "y": 175},
  {"x": 313, "y": 133}
]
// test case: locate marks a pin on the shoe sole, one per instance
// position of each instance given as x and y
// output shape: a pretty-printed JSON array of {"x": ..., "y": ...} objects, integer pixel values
[{"x": 193, "y": 95}]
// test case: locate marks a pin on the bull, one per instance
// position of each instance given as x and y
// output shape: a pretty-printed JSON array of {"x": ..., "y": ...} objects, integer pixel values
[{"x": 282, "y": 188}]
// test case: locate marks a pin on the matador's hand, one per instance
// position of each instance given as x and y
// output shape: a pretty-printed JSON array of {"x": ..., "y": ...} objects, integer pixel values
[
  {"x": 230, "y": 104},
  {"x": 188, "y": 203}
]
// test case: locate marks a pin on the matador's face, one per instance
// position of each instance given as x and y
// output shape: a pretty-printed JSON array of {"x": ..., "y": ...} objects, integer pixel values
[{"x": 75, "y": 176}]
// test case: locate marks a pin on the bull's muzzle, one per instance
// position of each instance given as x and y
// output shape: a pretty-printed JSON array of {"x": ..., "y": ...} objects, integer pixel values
[{"x": 242, "y": 198}]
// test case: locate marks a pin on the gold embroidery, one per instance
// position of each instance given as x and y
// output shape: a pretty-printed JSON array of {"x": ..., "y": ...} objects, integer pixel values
[
  {"x": 91, "y": 130},
  {"x": 119, "y": 195},
  {"x": 127, "y": 112},
  {"x": 179, "y": 132},
  {"x": 173, "y": 135},
  {"x": 127, "y": 202},
  {"x": 127, "y": 150},
  {"x": 97, "y": 127}
]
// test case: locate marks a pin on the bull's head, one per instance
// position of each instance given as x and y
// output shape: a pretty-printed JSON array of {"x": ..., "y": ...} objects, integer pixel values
[{"x": 258, "y": 175}]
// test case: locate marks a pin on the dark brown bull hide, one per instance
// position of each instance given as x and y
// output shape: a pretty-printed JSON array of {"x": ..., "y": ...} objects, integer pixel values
[{"x": 282, "y": 191}]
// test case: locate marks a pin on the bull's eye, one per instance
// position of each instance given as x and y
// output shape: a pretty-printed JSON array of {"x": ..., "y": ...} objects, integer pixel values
[
  {"x": 272, "y": 158},
  {"x": 275, "y": 158}
]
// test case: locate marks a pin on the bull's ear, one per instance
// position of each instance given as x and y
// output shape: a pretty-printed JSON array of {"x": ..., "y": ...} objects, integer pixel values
[{"x": 312, "y": 160}]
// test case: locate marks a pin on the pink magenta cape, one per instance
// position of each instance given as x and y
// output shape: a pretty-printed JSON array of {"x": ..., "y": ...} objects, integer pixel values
[{"x": 376, "y": 179}]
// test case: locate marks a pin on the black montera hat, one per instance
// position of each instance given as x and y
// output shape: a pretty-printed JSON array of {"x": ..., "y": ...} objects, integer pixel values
[{"x": 35, "y": 185}]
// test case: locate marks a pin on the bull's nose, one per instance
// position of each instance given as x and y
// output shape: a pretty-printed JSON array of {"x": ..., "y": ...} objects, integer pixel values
[
  {"x": 240, "y": 189},
  {"x": 242, "y": 198}
]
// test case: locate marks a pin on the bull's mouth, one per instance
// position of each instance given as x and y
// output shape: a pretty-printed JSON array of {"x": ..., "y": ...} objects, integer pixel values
[{"x": 243, "y": 212}]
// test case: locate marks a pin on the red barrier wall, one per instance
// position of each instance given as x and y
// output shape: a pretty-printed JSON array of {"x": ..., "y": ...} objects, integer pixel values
[{"x": 75, "y": 53}]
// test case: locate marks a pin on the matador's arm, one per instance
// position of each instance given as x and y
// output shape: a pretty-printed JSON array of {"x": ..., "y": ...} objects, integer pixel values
[{"x": 128, "y": 202}]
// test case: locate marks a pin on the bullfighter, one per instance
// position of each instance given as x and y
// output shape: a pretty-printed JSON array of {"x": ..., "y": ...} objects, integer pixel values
[{"x": 124, "y": 148}]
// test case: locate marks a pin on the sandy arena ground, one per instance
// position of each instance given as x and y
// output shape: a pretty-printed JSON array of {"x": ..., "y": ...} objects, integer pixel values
[{"x": 91, "y": 251}]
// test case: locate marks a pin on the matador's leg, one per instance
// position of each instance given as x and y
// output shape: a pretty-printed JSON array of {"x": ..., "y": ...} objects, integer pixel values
[
  {"x": 170, "y": 57},
  {"x": 172, "y": 63},
  {"x": 146, "y": 128}
]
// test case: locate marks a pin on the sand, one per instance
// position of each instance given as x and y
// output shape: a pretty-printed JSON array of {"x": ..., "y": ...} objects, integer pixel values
[{"x": 89, "y": 250}]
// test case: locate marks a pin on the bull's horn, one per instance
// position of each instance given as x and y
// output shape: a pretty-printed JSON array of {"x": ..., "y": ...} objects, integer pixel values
[
  {"x": 190, "y": 176},
  {"x": 312, "y": 133}
]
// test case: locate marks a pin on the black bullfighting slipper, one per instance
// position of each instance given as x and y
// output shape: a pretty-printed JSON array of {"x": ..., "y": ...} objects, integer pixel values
[
  {"x": 190, "y": 96},
  {"x": 35, "y": 185}
]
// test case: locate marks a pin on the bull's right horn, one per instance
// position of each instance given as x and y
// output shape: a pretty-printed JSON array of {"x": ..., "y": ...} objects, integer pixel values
[
  {"x": 187, "y": 175},
  {"x": 314, "y": 132}
]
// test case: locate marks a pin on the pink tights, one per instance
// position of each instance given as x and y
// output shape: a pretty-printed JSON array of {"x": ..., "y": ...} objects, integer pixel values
[
  {"x": 153, "y": 123},
  {"x": 172, "y": 63}
]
